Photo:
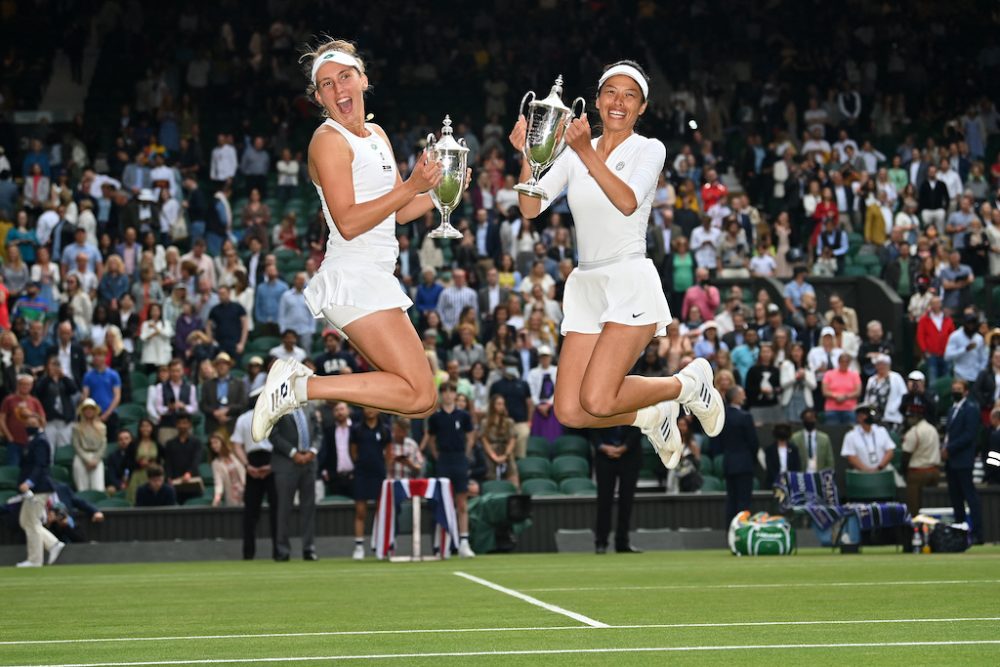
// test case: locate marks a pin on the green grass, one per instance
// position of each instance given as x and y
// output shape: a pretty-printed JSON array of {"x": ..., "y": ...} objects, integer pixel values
[{"x": 188, "y": 601}]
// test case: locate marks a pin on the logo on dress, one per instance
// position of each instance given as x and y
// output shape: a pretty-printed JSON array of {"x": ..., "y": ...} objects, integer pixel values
[
  {"x": 374, "y": 146},
  {"x": 620, "y": 166}
]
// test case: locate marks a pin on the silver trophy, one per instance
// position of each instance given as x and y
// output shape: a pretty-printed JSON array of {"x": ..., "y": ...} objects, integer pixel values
[
  {"x": 545, "y": 138},
  {"x": 453, "y": 157}
]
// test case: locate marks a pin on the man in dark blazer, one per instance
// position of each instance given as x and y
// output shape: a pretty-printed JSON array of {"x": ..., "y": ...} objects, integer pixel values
[
  {"x": 617, "y": 461},
  {"x": 959, "y": 454},
  {"x": 34, "y": 479},
  {"x": 67, "y": 347},
  {"x": 294, "y": 465},
  {"x": 815, "y": 450},
  {"x": 781, "y": 456},
  {"x": 491, "y": 295},
  {"x": 223, "y": 398},
  {"x": 738, "y": 444},
  {"x": 409, "y": 262}
]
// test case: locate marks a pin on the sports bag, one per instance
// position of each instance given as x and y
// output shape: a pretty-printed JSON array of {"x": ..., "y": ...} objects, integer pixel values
[{"x": 761, "y": 535}]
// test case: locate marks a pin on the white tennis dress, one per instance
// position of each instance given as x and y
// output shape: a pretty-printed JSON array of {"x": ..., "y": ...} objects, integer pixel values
[
  {"x": 615, "y": 281},
  {"x": 356, "y": 277}
]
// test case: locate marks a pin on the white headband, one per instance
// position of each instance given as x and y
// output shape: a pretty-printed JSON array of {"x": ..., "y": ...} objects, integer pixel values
[
  {"x": 334, "y": 57},
  {"x": 631, "y": 73}
]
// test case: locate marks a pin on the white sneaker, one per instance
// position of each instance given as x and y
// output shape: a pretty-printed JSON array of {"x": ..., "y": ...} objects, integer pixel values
[
  {"x": 664, "y": 436},
  {"x": 278, "y": 396},
  {"x": 359, "y": 552},
  {"x": 28, "y": 563},
  {"x": 702, "y": 399},
  {"x": 55, "y": 551},
  {"x": 464, "y": 550}
]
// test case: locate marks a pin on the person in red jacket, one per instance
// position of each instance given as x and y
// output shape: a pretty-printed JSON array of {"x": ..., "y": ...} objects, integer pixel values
[
  {"x": 712, "y": 191},
  {"x": 933, "y": 330}
]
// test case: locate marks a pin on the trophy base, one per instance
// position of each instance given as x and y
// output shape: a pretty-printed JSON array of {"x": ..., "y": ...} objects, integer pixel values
[
  {"x": 531, "y": 191},
  {"x": 445, "y": 231}
]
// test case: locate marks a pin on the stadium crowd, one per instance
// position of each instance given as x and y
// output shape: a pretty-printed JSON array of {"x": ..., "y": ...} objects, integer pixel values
[{"x": 152, "y": 271}]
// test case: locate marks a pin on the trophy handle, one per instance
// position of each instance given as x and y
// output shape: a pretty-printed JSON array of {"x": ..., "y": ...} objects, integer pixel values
[
  {"x": 431, "y": 140},
  {"x": 573, "y": 114},
  {"x": 520, "y": 112},
  {"x": 583, "y": 107}
]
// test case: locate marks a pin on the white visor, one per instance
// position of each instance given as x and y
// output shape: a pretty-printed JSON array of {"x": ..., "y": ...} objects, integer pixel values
[
  {"x": 334, "y": 57},
  {"x": 631, "y": 73}
]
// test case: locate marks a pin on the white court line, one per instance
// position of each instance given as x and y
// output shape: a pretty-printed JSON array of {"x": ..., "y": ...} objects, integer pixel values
[
  {"x": 535, "y": 601},
  {"x": 565, "y": 651},
  {"x": 803, "y": 584},
  {"x": 444, "y": 631}
]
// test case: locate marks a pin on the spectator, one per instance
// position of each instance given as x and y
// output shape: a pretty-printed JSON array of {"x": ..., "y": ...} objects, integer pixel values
[
  {"x": 223, "y": 398},
  {"x": 959, "y": 455},
  {"x": 780, "y": 457},
  {"x": 468, "y": 351},
  {"x": 867, "y": 447},
  {"x": 705, "y": 242},
  {"x": 744, "y": 356},
  {"x": 933, "y": 331},
  {"x": 921, "y": 462},
  {"x": 224, "y": 162},
  {"x": 956, "y": 280},
  {"x": 13, "y": 411},
  {"x": 795, "y": 289},
  {"x": 90, "y": 441},
  {"x": 815, "y": 451},
  {"x": 55, "y": 391},
  {"x": 454, "y": 299},
  {"x": 497, "y": 436},
  {"x": 268, "y": 297},
  {"x": 255, "y": 164},
  {"x": 289, "y": 349},
  {"x": 701, "y": 294},
  {"x": 874, "y": 346},
  {"x": 798, "y": 383},
  {"x": 933, "y": 200},
  {"x": 884, "y": 393},
  {"x": 181, "y": 457},
  {"x": 70, "y": 354},
  {"x": 405, "y": 459},
  {"x": 841, "y": 389},
  {"x": 337, "y": 464},
  {"x": 294, "y": 313},
  {"x": 288, "y": 175},
  {"x": 517, "y": 396},
  {"x": 155, "y": 335},
  {"x": 156, "y": 492},
  {"x": 738, "y": 444},
  {"x": 966, "y": 350},
  {"x": 369, "y": 440},
  {"x": 119, "y": 463},
  {"x": 229, "y": 324},
  {"x": 174, "y": 397}
]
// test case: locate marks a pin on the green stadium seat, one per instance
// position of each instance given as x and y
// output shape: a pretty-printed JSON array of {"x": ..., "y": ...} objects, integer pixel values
[
  {"x": 571, "y": 445},
  {"x": 942, "y": 389},
  {"x": 867, "y": 259},
  {"x": 131, "y": 412},
  {"x": 330, "y": 500},
  {"x": 6, "y": 495},
  {"x": 205, "y": 472},
  {"x": 60, "y": 474},
  {"x": 198, "y": 502},
  {"x": 855, "y": 271},
  {"x": 565, "y": 467},
  {"x": 578, "y": 486},
  {"x": 539, "y": 446},
  {"x": 705, "y": 465},
  {"x": 261, "y": 345},
  {"x": 498, "y": 486},
  {"x": 711, "y": 484},
  {"x": 533, "y": 467},
  {"x": 64, "y": 456},
  {"x": 871, "y": 485},
  {"x": 112, "y": 503},
  {"x": 719, "y": 466},
  {"x": 92, "y": 496},
  {"x": 140, "y": 395},
  {"x": 534, "y": 487},
  {"x": 139, "y": 380}
]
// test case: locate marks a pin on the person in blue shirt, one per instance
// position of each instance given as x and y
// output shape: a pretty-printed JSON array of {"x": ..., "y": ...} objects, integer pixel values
[
  {"x": 77, "y": 247},
  {"x": 268, "y": 299},
  {"x": 796, "y": 288},
  {"x": 294, "y": 313},
  {"x": 428, "y": 292},
  {"x": 104, "y": 385},
  {"x": 39, "y": 156}
]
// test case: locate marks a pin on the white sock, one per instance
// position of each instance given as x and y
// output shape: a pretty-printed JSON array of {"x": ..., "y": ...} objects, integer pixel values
[
  {"x": 647, "y": 418},
  {"x": 687, "y": 388},
  {"x": 299, "y": 385}
]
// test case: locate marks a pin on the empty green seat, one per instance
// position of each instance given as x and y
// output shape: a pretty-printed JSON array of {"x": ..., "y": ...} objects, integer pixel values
[
  {"x": 6, "y": 495},
  {"x": 92, "y": 495},
  {"x": 534, "y": 487},
  {"x": 578, "y": 486},
  {"x": 879, "y": 485},
  {"x": 571, "y": 445},
  {"x": 140, "y": 395},
  {"x": 498, "y": 486},
  {"x": 534, "y": 467},
  {"x": 139, "y": 380},
  {"x": 198, "y": 502},
  {"x": 131, "y": 412},
  {"x": 564, "y": 467},
  {"x": 867, "y": 259},
  {"x": 60, "y": 474},
  {"x": 719, "y": 466},
  {"x": 64, "y": 456},
  {"x": 205, "y": 472},
  {"x": 855, "y": 271},
  {"x": 112, "y": 503},
  {"x": 539, "y": 446},
  {"x": 712, "y": 484},
  {"x": 8, "y": 477}
]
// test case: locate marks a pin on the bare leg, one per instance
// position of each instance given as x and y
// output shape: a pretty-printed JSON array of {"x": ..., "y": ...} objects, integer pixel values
[
  {"x": 360, "y": 514},
  {"x": 593, "y": 391},
  {"x": 462, "y": 510},
  {"x": 402, "y": 384}
]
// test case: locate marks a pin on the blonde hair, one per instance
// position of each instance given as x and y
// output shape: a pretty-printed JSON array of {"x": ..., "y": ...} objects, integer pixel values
[
  {"x": 113, "y": 339},
  {"x": 309, "y": 56}
]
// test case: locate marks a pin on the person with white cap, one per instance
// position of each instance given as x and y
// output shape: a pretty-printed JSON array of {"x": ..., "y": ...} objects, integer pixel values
[
  {"x": 918, "y": 399},
  {"x": 363, "y": 198},
  {"x": 90, "y": 442},
  {"x": 611, "y": 309},
  {"x": 823, "y": 357},
  {"x": 542, "y": 383},
  {"x": 884, "y": 391}
]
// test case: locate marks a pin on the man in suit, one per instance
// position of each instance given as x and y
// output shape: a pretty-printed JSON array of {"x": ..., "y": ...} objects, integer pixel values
[
  {"x": 294, "y": 465},
  {"x": 815, "y": 450},
  {"x": 932, "y": 196},
  {"x": 336, "y": 466},
  {"x": 959, "y": 454},
  {"x": 738, "y": 443},
  {"x": 780, "y": 456},
  {"x": 491, "y": 295},
  {"x": 70, "y": 354},
  {"x": 257, "y": 456},
  {"x": 35, "y": 486},
  {"x": 409, "y": 263},
  {"x": 223, "y": 398},
  {"x": 617, "y": 458}
]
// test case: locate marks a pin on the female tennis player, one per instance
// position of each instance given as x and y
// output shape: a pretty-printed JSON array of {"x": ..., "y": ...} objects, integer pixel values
[
  {"x": 363, "y": 197},
  {"x": 613, "y": 302}
]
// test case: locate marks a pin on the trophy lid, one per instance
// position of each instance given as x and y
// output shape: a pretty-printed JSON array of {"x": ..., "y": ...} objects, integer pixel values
[
  {"x": 554, "y": 100},
  {"x": 447, "y": 141}
]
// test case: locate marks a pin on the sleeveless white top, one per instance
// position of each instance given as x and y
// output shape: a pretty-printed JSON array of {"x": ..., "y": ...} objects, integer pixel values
[
  {"x": 374, "y": 174},
  {"x": 359, "y": 272}
]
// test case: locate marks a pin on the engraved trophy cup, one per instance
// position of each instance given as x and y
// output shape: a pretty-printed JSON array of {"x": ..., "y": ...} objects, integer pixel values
[
  {"x": 545, "y": 138},
  {"x": 453, "y": 157}
]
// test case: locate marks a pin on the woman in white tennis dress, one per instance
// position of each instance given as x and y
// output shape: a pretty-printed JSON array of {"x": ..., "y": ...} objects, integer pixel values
[
  {"x": 363, "y": 197},
  {"x": 613, "y": 301}
]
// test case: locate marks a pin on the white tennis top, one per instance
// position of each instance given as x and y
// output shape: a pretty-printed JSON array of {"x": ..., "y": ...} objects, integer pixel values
[
  {"x": 603, "y": 233},
  {"x": 374, "y": 173}
]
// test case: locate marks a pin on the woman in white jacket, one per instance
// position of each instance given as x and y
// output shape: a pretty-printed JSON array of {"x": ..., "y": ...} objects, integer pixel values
[
  {"x": 798, "y": 382},
  {"x": 155, "y": 334},
  {"x": 542, "y": 384}
]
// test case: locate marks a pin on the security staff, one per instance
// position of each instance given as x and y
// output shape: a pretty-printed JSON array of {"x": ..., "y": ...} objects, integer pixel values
[
  {"x": 617, "y": 458},
  {"x": 256, "y": 456}
]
